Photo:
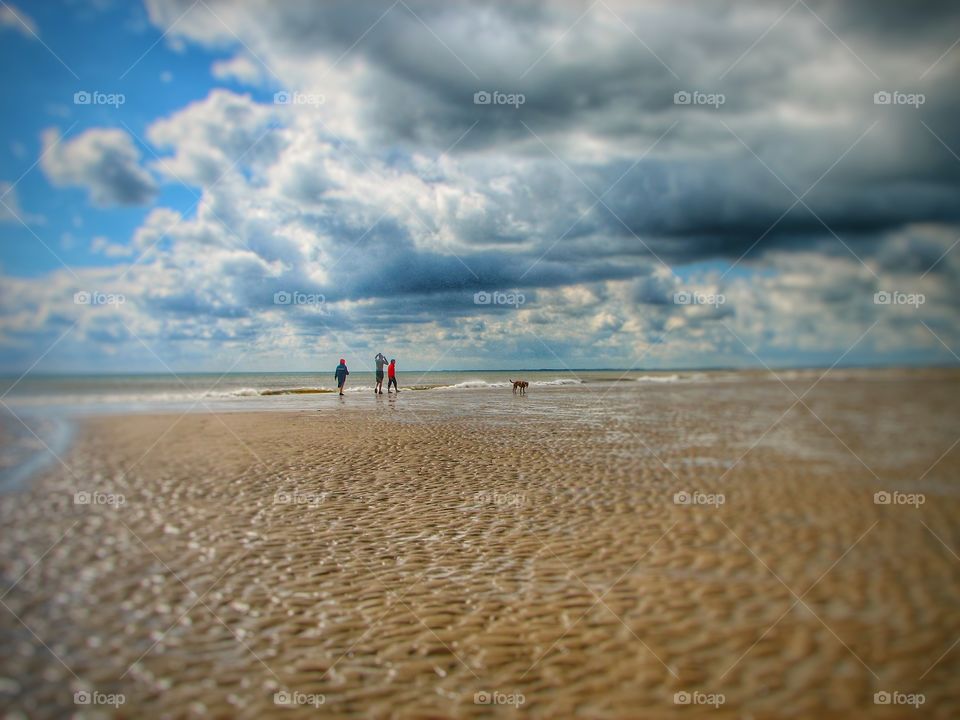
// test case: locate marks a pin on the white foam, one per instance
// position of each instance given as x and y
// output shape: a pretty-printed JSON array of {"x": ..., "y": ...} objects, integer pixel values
[
  {"x": 484, "y": 384},
  {"x": 241, "y": 392},
  {"x": 473, "y": 385}
]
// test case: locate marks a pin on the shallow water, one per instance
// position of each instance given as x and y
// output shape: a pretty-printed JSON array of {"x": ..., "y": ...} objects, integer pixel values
[{"x": 204, "y": 392}]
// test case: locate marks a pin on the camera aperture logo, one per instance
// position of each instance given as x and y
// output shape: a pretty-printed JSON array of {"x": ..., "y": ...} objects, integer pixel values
[
  {"x": 295, "y": 497},
  {"x": 494, "y": 697},
  {"x": 895, "y": 97},
  {"x": 291, "y": 698},
  {"x": 95, "y": 297},
  {"x": 500, "y": 499},
  {"x": 698, "y": 698},
  {"x": 696, "y": 97},
  {"x": 86, "y": 97},
  {"x": 699, "y": 498},
  {"x": 694, "y": 297},
  {"x": 899, "y": 498},
  {"x": 114, "y": 500},
  {"x": 898, "y": 698},
  {"x": 496, "y": 297},
  {"x": 296, "y": 297},
  {"x": 94, "y": 697},
  {"x": 496, "y": 97},
  {"x": 288, "y": 97},
  {"x": 894, "y": 297}
]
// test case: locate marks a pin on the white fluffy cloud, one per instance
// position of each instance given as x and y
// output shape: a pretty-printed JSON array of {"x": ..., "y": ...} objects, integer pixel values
[
  {"x": 241, "y": 68},
  {"x": 104, "y": 161},
  {"x": 210, "y": 138}
]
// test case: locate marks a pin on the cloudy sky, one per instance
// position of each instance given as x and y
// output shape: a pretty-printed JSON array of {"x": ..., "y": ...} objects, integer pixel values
[{"x": 254, "y": 185}]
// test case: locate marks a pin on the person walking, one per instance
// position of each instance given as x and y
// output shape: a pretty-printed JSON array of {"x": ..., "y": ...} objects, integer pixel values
[
  {"x": 341, "y": 374},
  {"x": 392, "y": 376},
  {"x": 380, "y": 360}
]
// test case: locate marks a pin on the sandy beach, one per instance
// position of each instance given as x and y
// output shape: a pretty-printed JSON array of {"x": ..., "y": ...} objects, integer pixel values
[{"x": 709, "y": 549}]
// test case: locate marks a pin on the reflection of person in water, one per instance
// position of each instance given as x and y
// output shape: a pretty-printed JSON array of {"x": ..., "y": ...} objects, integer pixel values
[
  {"x": 341, "y": 374},
  {"x": 392, "y": 376},
  {"x": 380, "y": 360}
]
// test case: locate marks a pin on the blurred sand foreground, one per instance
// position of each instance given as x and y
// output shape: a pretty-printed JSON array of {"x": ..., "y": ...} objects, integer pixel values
[{"x": 579, "y": 552}]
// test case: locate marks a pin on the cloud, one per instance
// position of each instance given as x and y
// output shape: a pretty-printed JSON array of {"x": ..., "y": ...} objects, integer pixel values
[
  {"x": 240, "y": 68},
  {"x": 9, "y": 205},
  {"x": 212, "y": 137},
  {"x": 10, "y": 209},
  {"x": 597, "y": 98},
  {"x": 103, "y": 161},
  {"x": 16, "y": 19},
  {"x": 104, "y": 247},
  {"x": 397, "y": 197}
]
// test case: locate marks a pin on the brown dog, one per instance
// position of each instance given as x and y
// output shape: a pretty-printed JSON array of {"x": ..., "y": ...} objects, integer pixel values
[{"x": 520, "y": 385}]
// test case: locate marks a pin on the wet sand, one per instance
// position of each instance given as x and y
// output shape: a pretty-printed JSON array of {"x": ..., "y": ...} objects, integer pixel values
[{"x": 393, "y": 559}]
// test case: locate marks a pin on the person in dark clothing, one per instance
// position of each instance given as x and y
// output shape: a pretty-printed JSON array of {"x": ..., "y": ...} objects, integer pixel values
[
  {"x": 392, "y": 376},
  {"x": 380, "y": 360},
  {"x": 341, "y": 374}
]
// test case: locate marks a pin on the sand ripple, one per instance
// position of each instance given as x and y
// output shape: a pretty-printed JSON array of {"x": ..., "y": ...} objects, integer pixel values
[{"x": 398, "y": 559}]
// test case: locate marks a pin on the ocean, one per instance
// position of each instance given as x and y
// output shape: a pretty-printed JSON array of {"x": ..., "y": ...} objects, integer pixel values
[
  {"x": 37, "y": 412},
  {"x": 285, "y": 391}
]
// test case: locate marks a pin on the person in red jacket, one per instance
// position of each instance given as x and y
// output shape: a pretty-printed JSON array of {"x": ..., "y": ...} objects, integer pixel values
[{"x": 392, "y": 376}]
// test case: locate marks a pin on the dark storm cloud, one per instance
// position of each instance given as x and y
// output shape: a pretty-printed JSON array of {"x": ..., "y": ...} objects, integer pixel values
[
  {"x": 914, "y": 24},
  {"x": 597, "y": 176},
  {"x": 701, "y": 194}
]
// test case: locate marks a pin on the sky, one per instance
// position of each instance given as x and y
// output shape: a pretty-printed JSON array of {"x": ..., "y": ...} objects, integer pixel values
[{"x": 245, "y": 185}]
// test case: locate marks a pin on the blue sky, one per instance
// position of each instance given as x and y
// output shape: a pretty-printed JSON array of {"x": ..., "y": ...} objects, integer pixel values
[
  {"x": 154, "y": 81},
  {"x": 763, "y": 227}
]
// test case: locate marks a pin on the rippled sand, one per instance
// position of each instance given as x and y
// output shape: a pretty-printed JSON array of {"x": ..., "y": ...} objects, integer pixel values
[{"x": 395, "y": 557}]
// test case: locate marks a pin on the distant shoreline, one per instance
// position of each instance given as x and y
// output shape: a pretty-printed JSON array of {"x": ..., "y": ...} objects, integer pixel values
[{"x": 55, "y": 411}]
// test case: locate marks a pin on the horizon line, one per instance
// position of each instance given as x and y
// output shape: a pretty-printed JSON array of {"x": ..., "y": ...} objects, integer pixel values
[{"x": 701, "y": 368}]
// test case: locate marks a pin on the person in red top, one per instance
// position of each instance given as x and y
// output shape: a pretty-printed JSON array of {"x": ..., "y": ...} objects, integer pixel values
[{"x": 392, "y": 376}]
